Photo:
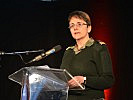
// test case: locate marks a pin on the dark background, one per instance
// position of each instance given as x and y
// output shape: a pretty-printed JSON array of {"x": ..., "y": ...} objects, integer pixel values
[{"x": 32, "y": 25}]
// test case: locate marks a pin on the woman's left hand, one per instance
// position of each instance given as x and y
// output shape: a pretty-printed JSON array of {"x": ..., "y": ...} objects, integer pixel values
[{"x": 72, "y": 83}]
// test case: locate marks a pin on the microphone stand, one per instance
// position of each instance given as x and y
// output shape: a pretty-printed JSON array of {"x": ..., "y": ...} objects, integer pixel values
[{"x": 23, "y": 52}]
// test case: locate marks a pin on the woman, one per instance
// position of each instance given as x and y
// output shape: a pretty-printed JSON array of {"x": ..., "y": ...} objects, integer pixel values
[{"x": 88, "y": 61}]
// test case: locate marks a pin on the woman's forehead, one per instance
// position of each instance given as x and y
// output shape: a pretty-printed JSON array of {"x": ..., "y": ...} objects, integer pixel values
[{"x": 76, "y": 19}]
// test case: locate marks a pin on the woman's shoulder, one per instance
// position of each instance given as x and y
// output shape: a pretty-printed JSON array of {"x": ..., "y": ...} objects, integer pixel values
[{"x": 98, "y": 45}]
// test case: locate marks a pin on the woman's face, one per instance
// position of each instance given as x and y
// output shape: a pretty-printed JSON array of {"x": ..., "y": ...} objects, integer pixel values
[{"x": 78, "y": 28}]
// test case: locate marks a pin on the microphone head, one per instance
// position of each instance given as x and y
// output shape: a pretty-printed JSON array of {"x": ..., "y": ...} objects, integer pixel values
[{"x": 57, "y": 48}]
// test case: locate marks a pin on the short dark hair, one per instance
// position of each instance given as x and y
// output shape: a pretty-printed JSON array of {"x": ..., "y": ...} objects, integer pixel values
[{"x": 80, "y": 15}]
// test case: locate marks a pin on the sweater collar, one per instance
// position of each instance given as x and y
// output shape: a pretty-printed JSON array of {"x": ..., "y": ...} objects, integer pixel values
[{"x": 89, "y": 43}]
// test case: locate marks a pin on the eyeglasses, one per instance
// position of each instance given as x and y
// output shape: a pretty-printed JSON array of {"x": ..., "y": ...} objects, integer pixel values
[{"x": 79, "y": 25}]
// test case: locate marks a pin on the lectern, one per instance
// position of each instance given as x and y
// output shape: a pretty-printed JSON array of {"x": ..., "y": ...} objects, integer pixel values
[{"x": 42, "y": 83}]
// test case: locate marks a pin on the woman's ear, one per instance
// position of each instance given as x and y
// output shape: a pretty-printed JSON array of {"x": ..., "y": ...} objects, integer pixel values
[{"x": 89, "y": 29}]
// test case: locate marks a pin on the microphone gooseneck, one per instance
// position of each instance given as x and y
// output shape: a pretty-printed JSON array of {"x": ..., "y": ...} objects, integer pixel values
[{"x": 43, "y": 55}]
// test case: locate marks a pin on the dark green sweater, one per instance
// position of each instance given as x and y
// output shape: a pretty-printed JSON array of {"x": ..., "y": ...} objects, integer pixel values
[{"x": 94, "y": 63}]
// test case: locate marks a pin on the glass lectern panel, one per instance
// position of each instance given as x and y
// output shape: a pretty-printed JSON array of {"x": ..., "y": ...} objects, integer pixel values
[{"x": 43, "y": 83}]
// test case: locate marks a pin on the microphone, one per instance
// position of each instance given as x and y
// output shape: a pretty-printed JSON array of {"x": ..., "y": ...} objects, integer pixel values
[{"x": 43, "y": 55}]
